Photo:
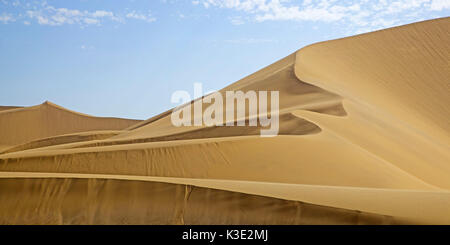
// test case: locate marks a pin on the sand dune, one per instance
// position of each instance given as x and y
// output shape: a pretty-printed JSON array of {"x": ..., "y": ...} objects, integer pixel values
[
  {"x": 364, "y": 139},
  {"x": 22, "y": 125},
  {"x": 5, "y": 108},
  {"x": 111, "y": 201},
  {"x": 63, "y": 139}
]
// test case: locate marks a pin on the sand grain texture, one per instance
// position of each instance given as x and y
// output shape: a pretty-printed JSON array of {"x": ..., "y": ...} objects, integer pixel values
[{"x": 364, "y": 139}]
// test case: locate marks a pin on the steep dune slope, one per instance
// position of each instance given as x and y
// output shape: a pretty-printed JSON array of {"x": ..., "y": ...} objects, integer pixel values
[
  {"x": 403, "y": 72},
  {"x": 364, "y": 138},
  {"x": 115, "y": 201},
  {"x": 396, "y": 83},
  {"x": 280, "y": 76},
  {"x": 161, "y": 149}
]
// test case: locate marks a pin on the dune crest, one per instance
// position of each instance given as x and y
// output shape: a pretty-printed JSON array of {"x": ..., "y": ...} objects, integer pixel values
[
  {"x": 21, "y": 125},
  {"x": 364, "y": 139}
]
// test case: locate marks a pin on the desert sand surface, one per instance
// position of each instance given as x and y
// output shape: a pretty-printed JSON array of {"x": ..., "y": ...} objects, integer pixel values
[
  {"x": 4, "y": 108},
  {"x": 364, "y": 139},
  {"x": 22, "y": 125}
]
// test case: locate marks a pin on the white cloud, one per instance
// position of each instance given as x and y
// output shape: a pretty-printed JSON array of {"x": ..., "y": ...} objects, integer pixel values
[
  {"x": 369, "y": 14},
  {"x": 49, "y": 15},
  {"x": 137, "y": 16},
  {"x": 249, "y": 41},
  {"x": 237, "y": 20},
  {"x": 439, "y": 5},
  {"x": 45, "y": 14},
  {"x": 86, "y": 47},
  {"x": 91, "y": 21},
  {"x": 5, "y": 18},
  {"x": 102, "y": 13}
]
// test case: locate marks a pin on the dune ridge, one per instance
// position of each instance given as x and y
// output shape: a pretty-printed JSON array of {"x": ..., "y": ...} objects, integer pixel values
[
  {"x": 364, "y": 139},
  {"x": 5, "y": 108},
  {"x": 21, "y": 125}
]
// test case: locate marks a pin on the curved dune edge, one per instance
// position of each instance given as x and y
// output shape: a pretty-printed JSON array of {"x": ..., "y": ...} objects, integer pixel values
[
  {"x": 6, "y": 108},
  {"x": 364, "y": 127},
  {"x": 294, "y": 94},
  {"x": 404, "y": 206},
  {"x": 394, "y": 95},
  {"x": 239, "y": 158},
  {"x": 406, "y": 66},
  {"x": 62, "y": 140}
]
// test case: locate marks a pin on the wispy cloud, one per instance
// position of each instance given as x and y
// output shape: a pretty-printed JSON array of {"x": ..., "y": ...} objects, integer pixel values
[
  {"x": 145, "y": 17},
  {"x": 44, "y": 14},
  {"x": 237, "y": 20},
  {"x": 87, "y": 47},
  {"x": 49, "y": 15},
  {"x": 5, "y": 18},
  {"x": 368, "y": 14},
  {"x": 439, "y": 5},
  {"x": 250, "y": 41}
]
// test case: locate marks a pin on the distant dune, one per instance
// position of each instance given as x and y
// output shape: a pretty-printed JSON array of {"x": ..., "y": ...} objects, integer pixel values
[
  {"x": 4, "y": 108},
  {"x": 21, "y": 125},
  {"x": 364, "y": 139}
]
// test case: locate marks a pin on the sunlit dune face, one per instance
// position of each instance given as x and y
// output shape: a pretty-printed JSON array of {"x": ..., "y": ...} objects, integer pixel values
[{"x": 363, "y": 138}]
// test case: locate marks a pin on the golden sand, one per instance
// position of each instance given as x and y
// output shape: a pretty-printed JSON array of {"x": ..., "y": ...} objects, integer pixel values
[{"x": 364, "y": 139}]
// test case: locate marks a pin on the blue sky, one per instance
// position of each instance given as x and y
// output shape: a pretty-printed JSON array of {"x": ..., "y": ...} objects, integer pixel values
[{"x": 125, "y": 58}]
